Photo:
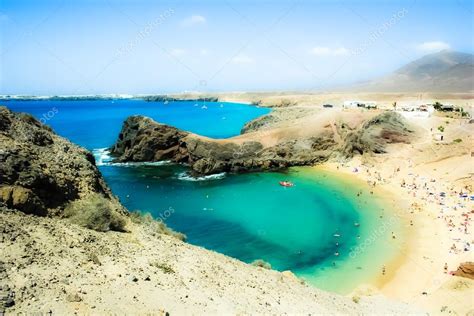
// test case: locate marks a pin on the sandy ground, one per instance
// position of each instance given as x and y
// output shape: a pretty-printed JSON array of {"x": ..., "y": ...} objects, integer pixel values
[
  {"x": 54, "y": 266},
  {"x": 384, "y": 100}
]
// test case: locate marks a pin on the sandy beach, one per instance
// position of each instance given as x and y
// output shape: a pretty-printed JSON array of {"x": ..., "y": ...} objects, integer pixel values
[{"x": 424, "y": 190}]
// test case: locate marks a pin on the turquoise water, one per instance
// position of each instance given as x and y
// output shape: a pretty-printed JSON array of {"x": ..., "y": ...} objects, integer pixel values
[
  {"x": 96, "y": 124},
  {"x": 310, "y": 229},
  {"x": 252, "y": 217}
]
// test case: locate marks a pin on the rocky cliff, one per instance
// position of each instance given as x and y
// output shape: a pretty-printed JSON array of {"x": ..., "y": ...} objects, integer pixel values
[
  {"x": 41, "y": 172},
  {"x": 374, "y": 134},
  {"x": 466, "y": 270},
  {"x": 142, "y": 139}
]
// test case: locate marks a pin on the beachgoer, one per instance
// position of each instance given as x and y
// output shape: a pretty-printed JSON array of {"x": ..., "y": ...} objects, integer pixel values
[
  {"x": 446, "y": 267},
  {"x": 383, "y": 270}
]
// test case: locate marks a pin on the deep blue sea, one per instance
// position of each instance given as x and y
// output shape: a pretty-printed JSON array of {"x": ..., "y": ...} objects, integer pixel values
[
  {"x": 96, "y": 124},
  {"x": 310, "y": 229}
]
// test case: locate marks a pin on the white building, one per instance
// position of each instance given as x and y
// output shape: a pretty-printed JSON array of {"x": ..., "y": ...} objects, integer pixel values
[
  {"x": 360, "y": 104},
  {"x": 417, "y": 110}
]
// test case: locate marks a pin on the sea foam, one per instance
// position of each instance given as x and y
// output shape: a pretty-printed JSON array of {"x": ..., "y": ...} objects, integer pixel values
[
  {"x": 184, "y": 176},
  {"x": 103, "y": 158}
]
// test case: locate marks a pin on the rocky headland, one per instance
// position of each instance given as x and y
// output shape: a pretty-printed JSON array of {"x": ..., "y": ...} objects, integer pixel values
[
  {"x": 41, "y": 172},
  {"x": 262, "y": 145}
]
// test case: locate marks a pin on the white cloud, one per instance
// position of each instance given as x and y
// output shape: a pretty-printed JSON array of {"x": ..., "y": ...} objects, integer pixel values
[
  {"x": 327, "y": 51},
  {"x": 193, "y": 20},
  {"x": 242, "y": 59},
  {"x": 432, "y": 47},
  {"x": 176, "y": 52},
  {"x": 204, "y": 52}
]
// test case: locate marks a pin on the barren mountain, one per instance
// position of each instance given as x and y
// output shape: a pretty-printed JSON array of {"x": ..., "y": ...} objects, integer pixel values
[{"x": 445, "y": 71}]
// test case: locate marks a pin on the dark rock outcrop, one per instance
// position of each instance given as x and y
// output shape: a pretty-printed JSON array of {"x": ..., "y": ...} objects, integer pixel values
[
  {"x": 142, "y": 139},
  {"x": 40, "y": 172},
  {"x": 259, "y": 123},
  {"x": 465, "y": 270},
  {"x": 276, "y": 116},
  {"x": 375, "y": 134}
]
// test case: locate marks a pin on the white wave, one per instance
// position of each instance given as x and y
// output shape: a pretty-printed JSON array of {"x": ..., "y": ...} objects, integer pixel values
[
  {"x": 103, "y": 158},
  {"x": 139, "y": 164},
  {"x": 184, "y": 176}
]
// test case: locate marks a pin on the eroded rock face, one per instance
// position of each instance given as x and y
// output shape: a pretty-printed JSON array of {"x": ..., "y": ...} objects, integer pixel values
[
  {"x": 142, "y": 139},
  {"x": 41, "y": 172},
  {"x": 22, "y": 199},
  {"x": 465, "y": 270},
  {"x": 276, "y": 116},
  {"x": 374, "y": 135}
]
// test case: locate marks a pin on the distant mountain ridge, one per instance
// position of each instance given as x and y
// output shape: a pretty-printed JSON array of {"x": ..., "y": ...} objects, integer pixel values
[{"x": 445, "y": 71}]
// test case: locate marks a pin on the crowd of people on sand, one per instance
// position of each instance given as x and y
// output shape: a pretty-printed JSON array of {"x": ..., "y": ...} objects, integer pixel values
[{"x": 453, "y": 206}]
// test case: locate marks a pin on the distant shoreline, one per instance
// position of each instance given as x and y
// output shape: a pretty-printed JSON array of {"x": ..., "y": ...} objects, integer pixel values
[{"x": 147, "y": 98}]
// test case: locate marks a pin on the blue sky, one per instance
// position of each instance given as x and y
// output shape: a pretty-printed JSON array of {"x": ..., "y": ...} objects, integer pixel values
[{"x": 106, "y": 46}]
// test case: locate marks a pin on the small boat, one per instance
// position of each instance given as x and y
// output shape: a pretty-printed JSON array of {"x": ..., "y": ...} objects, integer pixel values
[
  {"x": 337, "y": 235},
  {"x": 286, "y": 184}
]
